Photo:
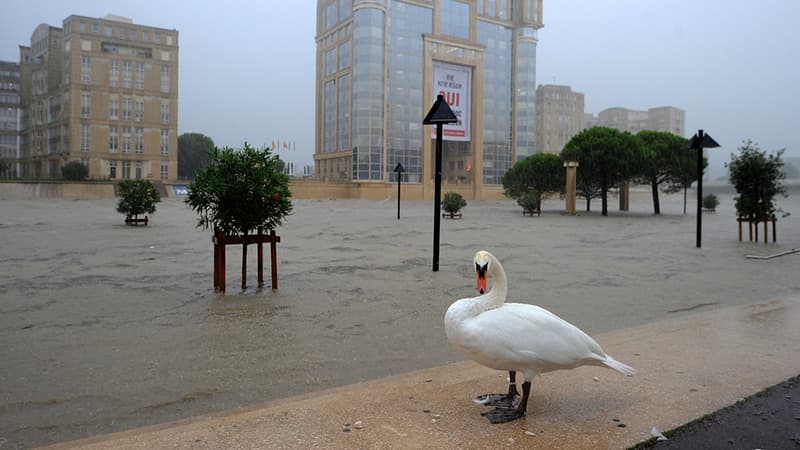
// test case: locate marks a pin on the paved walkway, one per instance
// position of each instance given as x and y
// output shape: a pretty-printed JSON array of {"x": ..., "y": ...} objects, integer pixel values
[{"x": 688, "y": 367}]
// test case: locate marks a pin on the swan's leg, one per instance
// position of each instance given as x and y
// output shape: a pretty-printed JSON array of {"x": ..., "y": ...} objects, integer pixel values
[
  {"x": 501, "y": 400},
  {"x": 502, "y": 415}
]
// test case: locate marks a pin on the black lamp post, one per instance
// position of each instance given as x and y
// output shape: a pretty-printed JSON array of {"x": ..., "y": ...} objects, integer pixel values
[
  {"x": 399, "y": 169},
  {"x": 700, "y": 141},
  {"x": 439, "y": 115}
]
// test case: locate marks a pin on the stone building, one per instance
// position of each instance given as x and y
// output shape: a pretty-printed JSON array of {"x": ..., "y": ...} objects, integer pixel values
[
  {"x": 559, "y": 116},
  {"x": 102, "y": 91}
]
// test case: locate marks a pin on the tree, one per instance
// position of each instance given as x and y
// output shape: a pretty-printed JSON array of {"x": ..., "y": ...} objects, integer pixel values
[
  {"x": 194, "y": 153},
  {"x": 756, "y": 176},
  {"x": 665, "y": 159},
  {"x": 606, "y": 157},
  {"x": 137, "y": 197},
  {"x": 240, "y": 192},
  {"x": 541, "y": 172},
  {"x": 74, "y": 171},
  {"x": 453, "y": 202}
]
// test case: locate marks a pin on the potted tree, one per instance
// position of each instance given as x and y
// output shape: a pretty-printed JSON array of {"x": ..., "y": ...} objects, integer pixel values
[
  {"x": 452, "y": 204},
  {"x": 756, "y": 176},
  {"x": 240, "y": 195},
  {"x": 710, "y": 203},
  {"x": 137, "y": 197},
  {"x": 531, "y": 203}
]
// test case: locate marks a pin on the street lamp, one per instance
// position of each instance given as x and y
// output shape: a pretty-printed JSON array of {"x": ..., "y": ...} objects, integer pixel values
[{"x": 439, "y": 114}]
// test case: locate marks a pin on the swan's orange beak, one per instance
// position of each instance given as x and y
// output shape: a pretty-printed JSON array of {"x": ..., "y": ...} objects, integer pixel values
[{"x": 481, "y": 272}]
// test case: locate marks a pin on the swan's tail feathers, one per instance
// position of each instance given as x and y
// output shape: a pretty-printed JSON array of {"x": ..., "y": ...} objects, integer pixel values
[{"x": 619, "y": 367}]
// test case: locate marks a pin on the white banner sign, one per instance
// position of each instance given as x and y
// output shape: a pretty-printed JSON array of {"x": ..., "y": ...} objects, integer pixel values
[{"x": 454, "y": 83}]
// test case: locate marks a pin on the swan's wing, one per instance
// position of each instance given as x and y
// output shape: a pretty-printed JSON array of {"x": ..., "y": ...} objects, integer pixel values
[{"x": 530, "y": 336}]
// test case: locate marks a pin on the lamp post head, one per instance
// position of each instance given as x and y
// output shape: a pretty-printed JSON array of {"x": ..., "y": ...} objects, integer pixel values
[{"x": 440, "y": 112}]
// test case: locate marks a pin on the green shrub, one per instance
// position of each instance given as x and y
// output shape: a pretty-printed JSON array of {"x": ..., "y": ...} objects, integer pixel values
[
  {"x": 240, "y": 191},
  {"x": 137, "y": 197},
  {"x": 453, "y": 202},
  {"x": 530, "y": 201},
  {"x": 74, "y": 171},
  {"x": 710, "y": 201}
]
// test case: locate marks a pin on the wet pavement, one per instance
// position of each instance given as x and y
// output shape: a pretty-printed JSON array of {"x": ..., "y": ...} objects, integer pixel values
[{"x": 688, "y": 367}]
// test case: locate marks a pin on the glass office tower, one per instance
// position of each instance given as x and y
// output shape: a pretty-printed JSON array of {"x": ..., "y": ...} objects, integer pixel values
[{"x": 380, "y": 65}]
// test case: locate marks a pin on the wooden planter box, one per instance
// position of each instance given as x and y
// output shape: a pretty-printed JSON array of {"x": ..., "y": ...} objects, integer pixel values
[
  {"x": 135, "y": 220},
  {"x": 753, "y": 222},
  {"x": 531, "y": 212},
  {"x": 220, "y": 240}
]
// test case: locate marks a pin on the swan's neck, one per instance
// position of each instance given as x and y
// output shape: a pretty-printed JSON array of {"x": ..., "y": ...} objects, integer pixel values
[{"x": 497, "y": 295}]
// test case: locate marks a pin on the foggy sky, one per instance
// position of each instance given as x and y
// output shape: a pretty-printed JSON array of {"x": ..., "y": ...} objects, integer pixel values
[{"x": 247, "y": 69}]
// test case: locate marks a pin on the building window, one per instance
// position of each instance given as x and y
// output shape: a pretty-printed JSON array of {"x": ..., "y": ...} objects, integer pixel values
[
  {"x": 108, "y": 31},
  {"x": 139, "y": 140},
  {"x": 455, "y": 18},
  {"x": 138, "y": 170},
  {"x": 126, "y": 107},
  {"x": 126, "y": 170},
  {"x": 330, "y": 15},
  {"x": 84, "y": 137},
  {"x": 112, "y": 169},
  {"x": 83, "y": 27},
  {"x": 404, "y": 138},
  {"x": 113, "y": 75},
  {"x": 497, "y": 149},
  {"x": 126, "y": 139},
  {"x": 164, "y": 170},
  {"x": 139, "y": 75},
  {"x": 113, "y": 143},
  {"x": 95, "y": 28},
  {"x": 344, "y": 56},
  {"x": 86, "y": 70},
  {"x": 345, "y": 9},
  {"x": 344, "y": 112},
  {"x": 158, "y": 37},
  {"x": 329, "y": 144},
  {"x": 164, "y": 112},
  {"x": 113, "y": 108},
  {"x": 145, "y": 36},
  {"x": 139, "y": 110},
  {"x": 368, "y": 92},
  {"x": 164, "y": 142},
  {"x": 126, "y": 73},
  {"x": 330, "y": 62},
  {"x": 164, "y": 78},
  {"x": 85, "y": 104}
]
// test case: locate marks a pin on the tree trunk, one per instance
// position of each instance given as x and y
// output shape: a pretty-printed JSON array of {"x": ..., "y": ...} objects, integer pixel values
[
  {"x": 656, "y": 204},
  {"x": 604, "y": 196},
  {"x": 684, "y": 200},
  {"x": 588, "y": 204},
  {"x": 244, "y": 261}
]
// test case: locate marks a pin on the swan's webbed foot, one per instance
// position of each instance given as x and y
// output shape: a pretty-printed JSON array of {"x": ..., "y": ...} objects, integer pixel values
[
  {"x": 499, "y": 400},
  {"x": 503, "y": 415}
]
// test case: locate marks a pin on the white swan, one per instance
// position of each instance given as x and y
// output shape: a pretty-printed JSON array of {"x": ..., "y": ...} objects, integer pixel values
[{"x": 517, "y": 337}]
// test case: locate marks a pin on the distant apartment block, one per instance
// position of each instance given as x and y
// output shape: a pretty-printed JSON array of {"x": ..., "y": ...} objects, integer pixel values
[
  {"x": 664, "y": 118},
  {"x": 559, "y": 116},
  {"x": 10, "y": 120},
  {"x": 102, "y": 91}
]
